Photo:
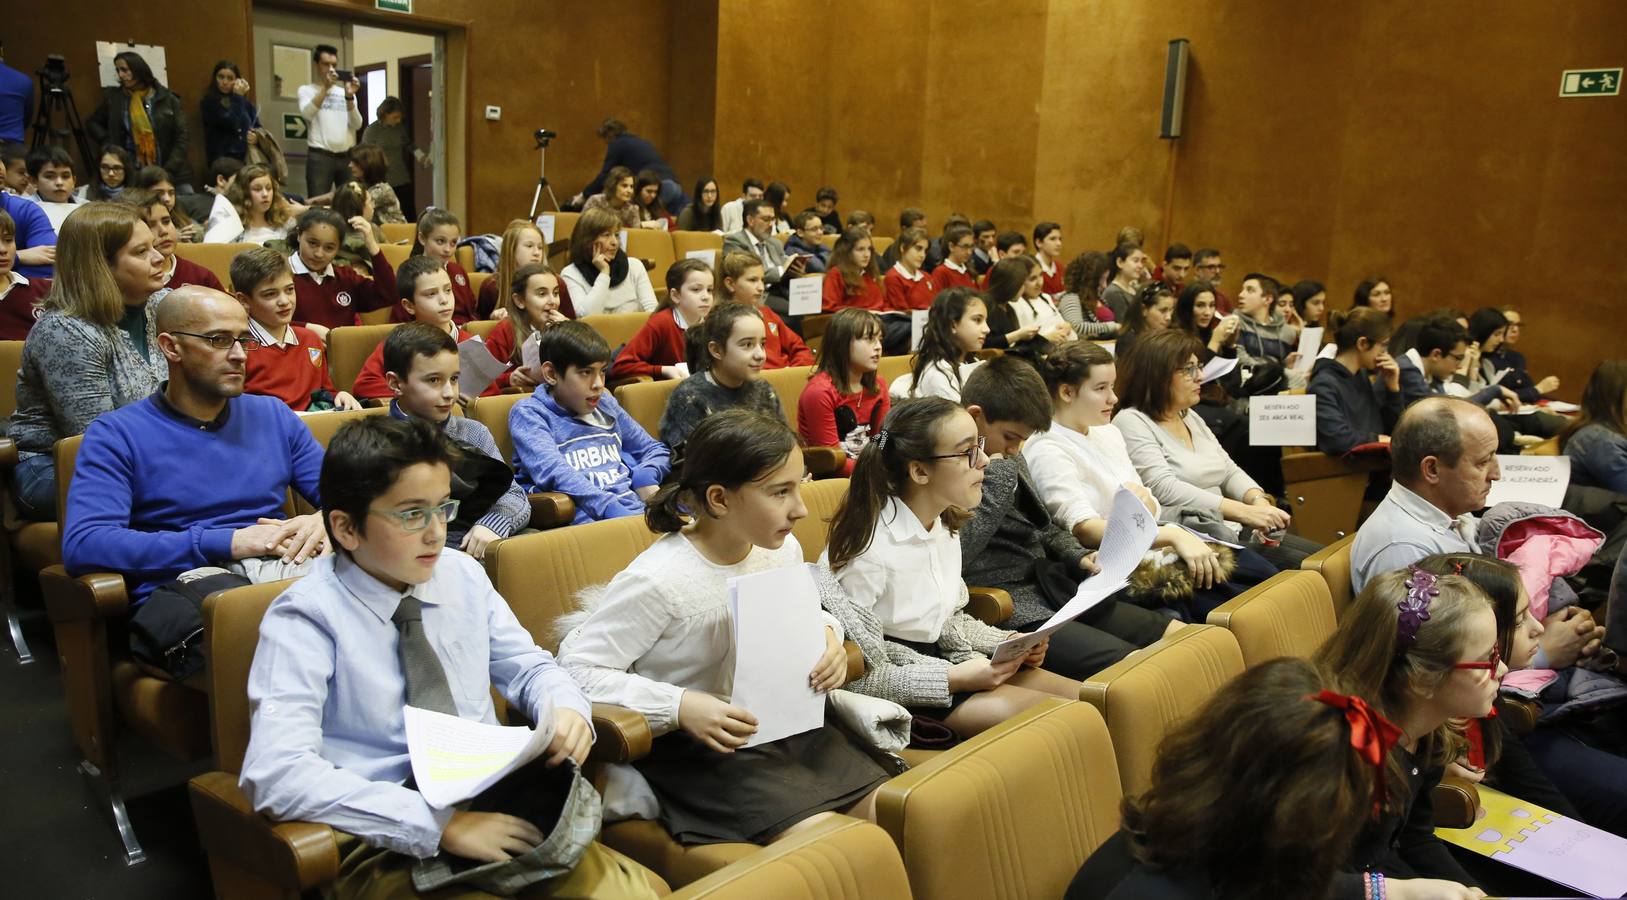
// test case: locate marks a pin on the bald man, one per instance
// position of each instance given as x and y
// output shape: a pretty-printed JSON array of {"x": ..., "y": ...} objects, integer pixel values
[{"x": 196, "y": 474}]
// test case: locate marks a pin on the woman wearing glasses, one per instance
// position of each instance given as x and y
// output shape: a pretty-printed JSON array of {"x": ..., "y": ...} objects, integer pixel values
[
  {"x": 94, "y": 349},
  {"x": 893, "y": 548}
]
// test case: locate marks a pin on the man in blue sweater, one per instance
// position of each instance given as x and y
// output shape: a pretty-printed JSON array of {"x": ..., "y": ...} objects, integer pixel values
[
  {"x": 638, "y": 155},
  {"x": 196, "y": 474}
]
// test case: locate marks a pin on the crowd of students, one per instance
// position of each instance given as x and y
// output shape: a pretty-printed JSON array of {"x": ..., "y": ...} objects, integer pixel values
[{"x": 997, "y": 470}]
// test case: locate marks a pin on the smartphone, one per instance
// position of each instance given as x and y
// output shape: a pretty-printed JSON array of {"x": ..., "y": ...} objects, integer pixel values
[{"x": 344, "y": 75}]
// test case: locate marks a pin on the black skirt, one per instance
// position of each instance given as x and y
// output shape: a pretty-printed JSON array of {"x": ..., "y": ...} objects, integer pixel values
[{"x": 753, "y": 794}]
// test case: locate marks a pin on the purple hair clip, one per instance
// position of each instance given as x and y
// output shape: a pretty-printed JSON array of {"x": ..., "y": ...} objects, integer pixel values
[{"x": 1414, "y": 611}]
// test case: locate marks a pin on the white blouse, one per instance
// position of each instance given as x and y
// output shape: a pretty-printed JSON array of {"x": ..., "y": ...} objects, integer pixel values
[
  {"x": 1038, "y": 311},
  {"x": 664, "y": 627},
  {"x": 1078, "y": 474},
  {"x": 936, "y": 381},
  {"x": 632, "y": 295},
  {"x": 909, "y": 577}
]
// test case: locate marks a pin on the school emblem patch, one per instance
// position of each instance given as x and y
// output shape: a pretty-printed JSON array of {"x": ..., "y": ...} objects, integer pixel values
[
  {"x": 316, "y": 356},
  {"x": 462, "y": 281},
  {"x": 38, "y": 311},
  {"x": 343, "y": 298}
]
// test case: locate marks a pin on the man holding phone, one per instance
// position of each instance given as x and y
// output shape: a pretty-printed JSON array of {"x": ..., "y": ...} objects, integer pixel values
[
  {"x": 756, "y": 238},
  {"x": 331, "y": 120}
]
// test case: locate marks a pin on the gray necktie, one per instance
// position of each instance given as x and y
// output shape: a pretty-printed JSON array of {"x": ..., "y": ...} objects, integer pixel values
[{"x": 420, "y": 667}]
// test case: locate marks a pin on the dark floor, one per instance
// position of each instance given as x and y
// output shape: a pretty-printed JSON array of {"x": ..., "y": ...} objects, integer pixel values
[{"x": 57, "y": 844}]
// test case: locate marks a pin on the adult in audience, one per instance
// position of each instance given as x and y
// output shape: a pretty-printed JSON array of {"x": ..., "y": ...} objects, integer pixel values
[
  {"x": 36, "y": 239},
  {"x": 600, "y": 277},
  {"x": 1182, "y": 462},
  {"x": 647, "y": 197},
  {"x": 1129, "y": 268},
  {"x": 1504, "y": 356},
  {"x": 807, "y": 242},
  {"x": 388, "y": 134},
  {"x": 617, "y": 199},
  {"x": 734, "y": 213},
  {"x": 144, "y": 118},
  {"x": 626, "y": 150},
  {"x": 134, "y": 511},
  {"x": 328, "y": 104},
  {"x": 1375, "y": 292},
  {"x": 705, "y": 213},
  {"x": 227, "y": 112},
  {"x": 1207, "y": 265},
  {"x": 1596, "y": 440},
  {"x": 370, "y": 167},
  {"x": 756, "y": 238},
  {"x": 177, "y": 271},
  {"x": 16, "y": 102},
  {"x": 93, "y": 350}
]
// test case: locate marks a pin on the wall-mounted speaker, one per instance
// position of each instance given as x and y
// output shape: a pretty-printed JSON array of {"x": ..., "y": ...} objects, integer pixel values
[{"x": 1174, "y": 89}]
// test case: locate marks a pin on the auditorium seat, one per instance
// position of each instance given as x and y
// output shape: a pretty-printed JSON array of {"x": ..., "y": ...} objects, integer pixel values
[
  {"x": 482, "y": 328},
  {"x": 217, "y": 258},
  {"x": 687, "y": 242},
  {"x": 464, "y": 256},
  {"x": 878, "y": 246},
  {"x": 837, "y": 858},
  {"x": 396, "y": 253},
  {"x": 1288, "y": 614},
  {"x": 564, "y": 224},
  {"x": 549, "y": 509},
  {"x": 1325, "y": 492},
  {"x": 893, "y": 366},
  {"x": 656, "y": 247},
  {"x": 399, "y": 232},
  {"x": 1012, "y": 812},
  {"x": 616, "y": 328},
  {"x": 476, "y": 280},
  {"x": 813, "y": 330},
  {"x": 28, "y": 546},
  {"x": 1144, "y": 696},
  {"x": 1332, "y": 563},
  {"x": 349, "y": 346},
  {"x": 645, "y": 401}
]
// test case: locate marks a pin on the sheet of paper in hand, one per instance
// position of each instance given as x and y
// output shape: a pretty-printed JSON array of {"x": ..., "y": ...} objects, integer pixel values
[
  {"x": 454, "y": 758},
  {"x": 779, "y": 637},
  {"x": 477, "y": 368}
]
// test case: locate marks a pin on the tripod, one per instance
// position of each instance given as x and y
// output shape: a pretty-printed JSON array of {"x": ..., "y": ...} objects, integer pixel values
[
  {"x": 54, "y": 99},
  {"x": 543, "y": 137}
]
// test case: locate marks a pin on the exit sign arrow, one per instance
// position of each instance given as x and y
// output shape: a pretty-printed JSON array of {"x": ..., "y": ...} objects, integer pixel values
[
  {"x": 293, "y": 126},
  {"x": 1590, "y": 83}
]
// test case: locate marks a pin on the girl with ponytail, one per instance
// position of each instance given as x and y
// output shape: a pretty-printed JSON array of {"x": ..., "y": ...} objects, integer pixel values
[
  {"x": 894, "y": 550},
  {"x": 1358, "y": 390},
  {"x": 661, "y": 642}
]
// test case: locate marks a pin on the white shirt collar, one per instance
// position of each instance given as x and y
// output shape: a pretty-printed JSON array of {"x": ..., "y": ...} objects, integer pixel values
[
  {"x": 899, "y": 268},
  {"x": 954, "y": 266},
  {"x": 902, "y": 523},
  {"x": 297, "y": 263},
  {"x": 174, "y": 261},
  {"x": 12, "y": 283},
  {"x": 1049, "y": 270},
  {"x": 260, "y": 334},
  {"x": 678, "y": 317},
  {"x": 1409, "y": 502}
]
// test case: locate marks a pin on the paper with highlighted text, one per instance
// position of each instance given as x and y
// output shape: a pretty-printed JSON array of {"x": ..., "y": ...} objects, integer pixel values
[{"x": 454, "y": 758}]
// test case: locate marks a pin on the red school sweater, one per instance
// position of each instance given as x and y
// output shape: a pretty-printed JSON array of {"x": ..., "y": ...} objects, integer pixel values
[
  {"x": 488, "y": 302},
  {"x": 783, "y": 347},
  {"x": 1052, "y": 286},
  {"x": 946, "y": 276},
  {"x": 658, "y": 342},
  {"x": 344, "y": 294},
  {"x": 189, "y": 272},
  {"x": 836, "y": 296},
  {"x": 370, "y": 383},
  {"x": 827, "y": 418},
  {"x": 292, "y": 373},
  {"x": 465, "y": 307},
  {"x": 905, "y": 294},
  {"x": 21, "y": 305}
]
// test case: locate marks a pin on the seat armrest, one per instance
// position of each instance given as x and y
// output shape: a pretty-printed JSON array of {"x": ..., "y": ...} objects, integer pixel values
[
  {"x": 98, "y": 595},
  {"x": 1456, "y": 803},
  {"x": 551, "y": 509},
  {"x": 628, "y": 379},
  {"x": 989, "y": 605},
  {"x": 824, "y": 460},
  {"x": 1521, "y": 715},
  {"x": 8, "y": 454},
  {"x": 855, "y": 661},
  {"x": 622, "y": 735},
  {"x": 294, "y": 856}
]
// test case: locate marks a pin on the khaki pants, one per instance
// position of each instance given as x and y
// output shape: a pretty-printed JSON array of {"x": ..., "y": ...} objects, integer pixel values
[{"x": 373, "y": 873}]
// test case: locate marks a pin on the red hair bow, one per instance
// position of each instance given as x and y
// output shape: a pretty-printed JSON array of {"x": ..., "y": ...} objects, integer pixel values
[{"x": 1371, "y": 735}]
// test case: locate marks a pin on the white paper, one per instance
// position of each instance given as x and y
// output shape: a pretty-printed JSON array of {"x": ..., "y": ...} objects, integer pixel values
[
  {"x": 477, "y": 368},
  {"x": 706, "y": 256},
  {"x": 545, "y": 224},
  {"x": 1208, "y": 538},
  {"x": 917, "y": 327},
  {"x": 1531, "y": 479},
  {"x": 1498, "y": 376},
  {"x": 454, "y": 759},
  {"x": 1560, "y": 406},
  {"x": 623, "y": 238},
  {"x": 1131, "y": 529},
  {"x": 1219, "y": 367},
  {"x": 1282, "y": 421},
  {"x": 804, "y": 296},
  {"x": 1310, "y": 341},
  {"x": 779, "y": 637},
  {"x": 531, "y": 356},
  {"x": 151, "y": 54}
]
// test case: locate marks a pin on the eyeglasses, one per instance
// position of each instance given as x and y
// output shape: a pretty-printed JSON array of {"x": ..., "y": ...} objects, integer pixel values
[
  {"x": 970, "y": 454},
  {"x": 1214, "y": 267},
  {"x": 417, "y": 518},
  {"x": 1489, "y": 665},
  {"x": 111, "y": 168},
  {"x": 1193, "y": 371},
  {"x": 223, "y": 341}
]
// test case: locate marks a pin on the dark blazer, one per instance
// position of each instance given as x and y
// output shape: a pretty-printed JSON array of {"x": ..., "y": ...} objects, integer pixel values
[
  {"x": 226, "y": 125},
  {"x": 110, "y": 124}
]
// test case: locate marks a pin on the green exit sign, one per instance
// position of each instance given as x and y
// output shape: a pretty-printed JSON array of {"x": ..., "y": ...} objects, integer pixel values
[
  {"x": 401, "y": 6},
  {"x": 1590, "y": 83}
]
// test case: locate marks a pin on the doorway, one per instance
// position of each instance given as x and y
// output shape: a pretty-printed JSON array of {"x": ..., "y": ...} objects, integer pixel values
[{"x": 416, "y": 75}]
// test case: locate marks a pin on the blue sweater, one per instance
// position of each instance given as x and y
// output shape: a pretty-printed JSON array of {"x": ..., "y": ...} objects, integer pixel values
[
  {"x": 33, "y": 230},
  {"x": 153, "y": 495},
  {"x": 598, "y": 465}
]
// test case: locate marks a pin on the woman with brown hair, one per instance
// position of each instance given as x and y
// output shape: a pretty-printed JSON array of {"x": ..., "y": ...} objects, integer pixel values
[
  {"x": 1596, "y": 440},
  {"x": 1267, "y": 811},
  {"x": 94, "y": 349},
  {"x": 600, "y": 277},
  {"x": 371, "y": 169},
  {"x": 618, "y": 198},
  {"x": 1182, "y": 462},
  {"x": 143, "y": 118}
]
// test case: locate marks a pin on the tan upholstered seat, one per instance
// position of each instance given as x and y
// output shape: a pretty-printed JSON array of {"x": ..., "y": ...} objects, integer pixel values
[
  {"x": 813, "y": 530},
  {"x": 838, "y": 858},
  {"x": 28, "y": 546},
  {"x": 893, "y": 366},
  {"x": 348, "y": 349},
  {"x": 1289, "y": 614},
  {"x": 879, "y": 245},
  {"x": 1012, "y": 812},
  {"x": 1146, "y": 695},
  {"x": 217, "y": 258},
  {"x": 788, "y": 384},
  {"x": 482, "y": 328},
  {"x": 399, "y": 232},
  {"x": 396, "y": 253},
  {"x": 655, "y": 246},
  {"x": 1325, "y": 492},
  {"x": 1333, "y": 564},
  {"x": 645, "y": 401},
  {"x": 687, "y": 242},
  {"x": 549, "y": 509},
  {"x": 564, "y": 224},
  {"x": 616, "y": 328}
]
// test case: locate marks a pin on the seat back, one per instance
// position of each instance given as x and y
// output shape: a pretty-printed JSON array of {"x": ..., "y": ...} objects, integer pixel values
[
  {"x": 65, "y": 453},
  {"x": 1012, "y": 812},
  {"x": 788, "y": 383},
  {"x": 396, "y": 253},
  {"x": 492, "y": 412},
  {"x": 687, "y": 242},
  {"x": 482, "y": 328},
  {"x": 324, "y": 425},
  {"x": 840, "y": 858},
  {"x": 1289, "y": 614},
  {"x": 11, "y": 361},
  {"x": 1333, "y": 564},
  {"x": 348, "y": 349},
  {"x": 1325, "y": 493},
  {"x": 879, "y": 245},
  {"x": 655, "y": 246},
  {"x": 399, "y": 232},
  {"x": 645, "y": 401},
  {"x": 893, "y": 366},
  {"x": 465, "y": 257},
  {"x": 476, "y": 281},
  {"x": 540, "y": 574},
  {"x": 217, "y": 258},
  {"x": 616, "y": 328},
  {"x": 1143, "y": 697},
  {"x": 564, "y": 224},
  {"x": 813, "y": 530},
  {"x": 231, "y": 632}
]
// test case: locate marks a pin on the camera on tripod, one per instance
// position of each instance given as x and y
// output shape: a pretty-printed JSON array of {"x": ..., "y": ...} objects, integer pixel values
[
  {"x": 543, "y": 136},
  {"x": 54, "y": 74}
]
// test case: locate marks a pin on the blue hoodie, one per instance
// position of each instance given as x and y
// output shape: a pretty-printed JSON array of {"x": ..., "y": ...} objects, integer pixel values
[{"x": 599, "y": 464}]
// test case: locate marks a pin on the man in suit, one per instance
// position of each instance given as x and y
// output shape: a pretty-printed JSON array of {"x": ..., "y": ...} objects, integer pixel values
[{"x": 755, "y": 238}]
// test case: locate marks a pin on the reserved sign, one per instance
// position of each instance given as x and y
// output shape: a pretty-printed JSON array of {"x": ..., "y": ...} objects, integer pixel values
[
  {"x": 1531, "y": 479},
  {"x": 1282, "y": 421}
]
